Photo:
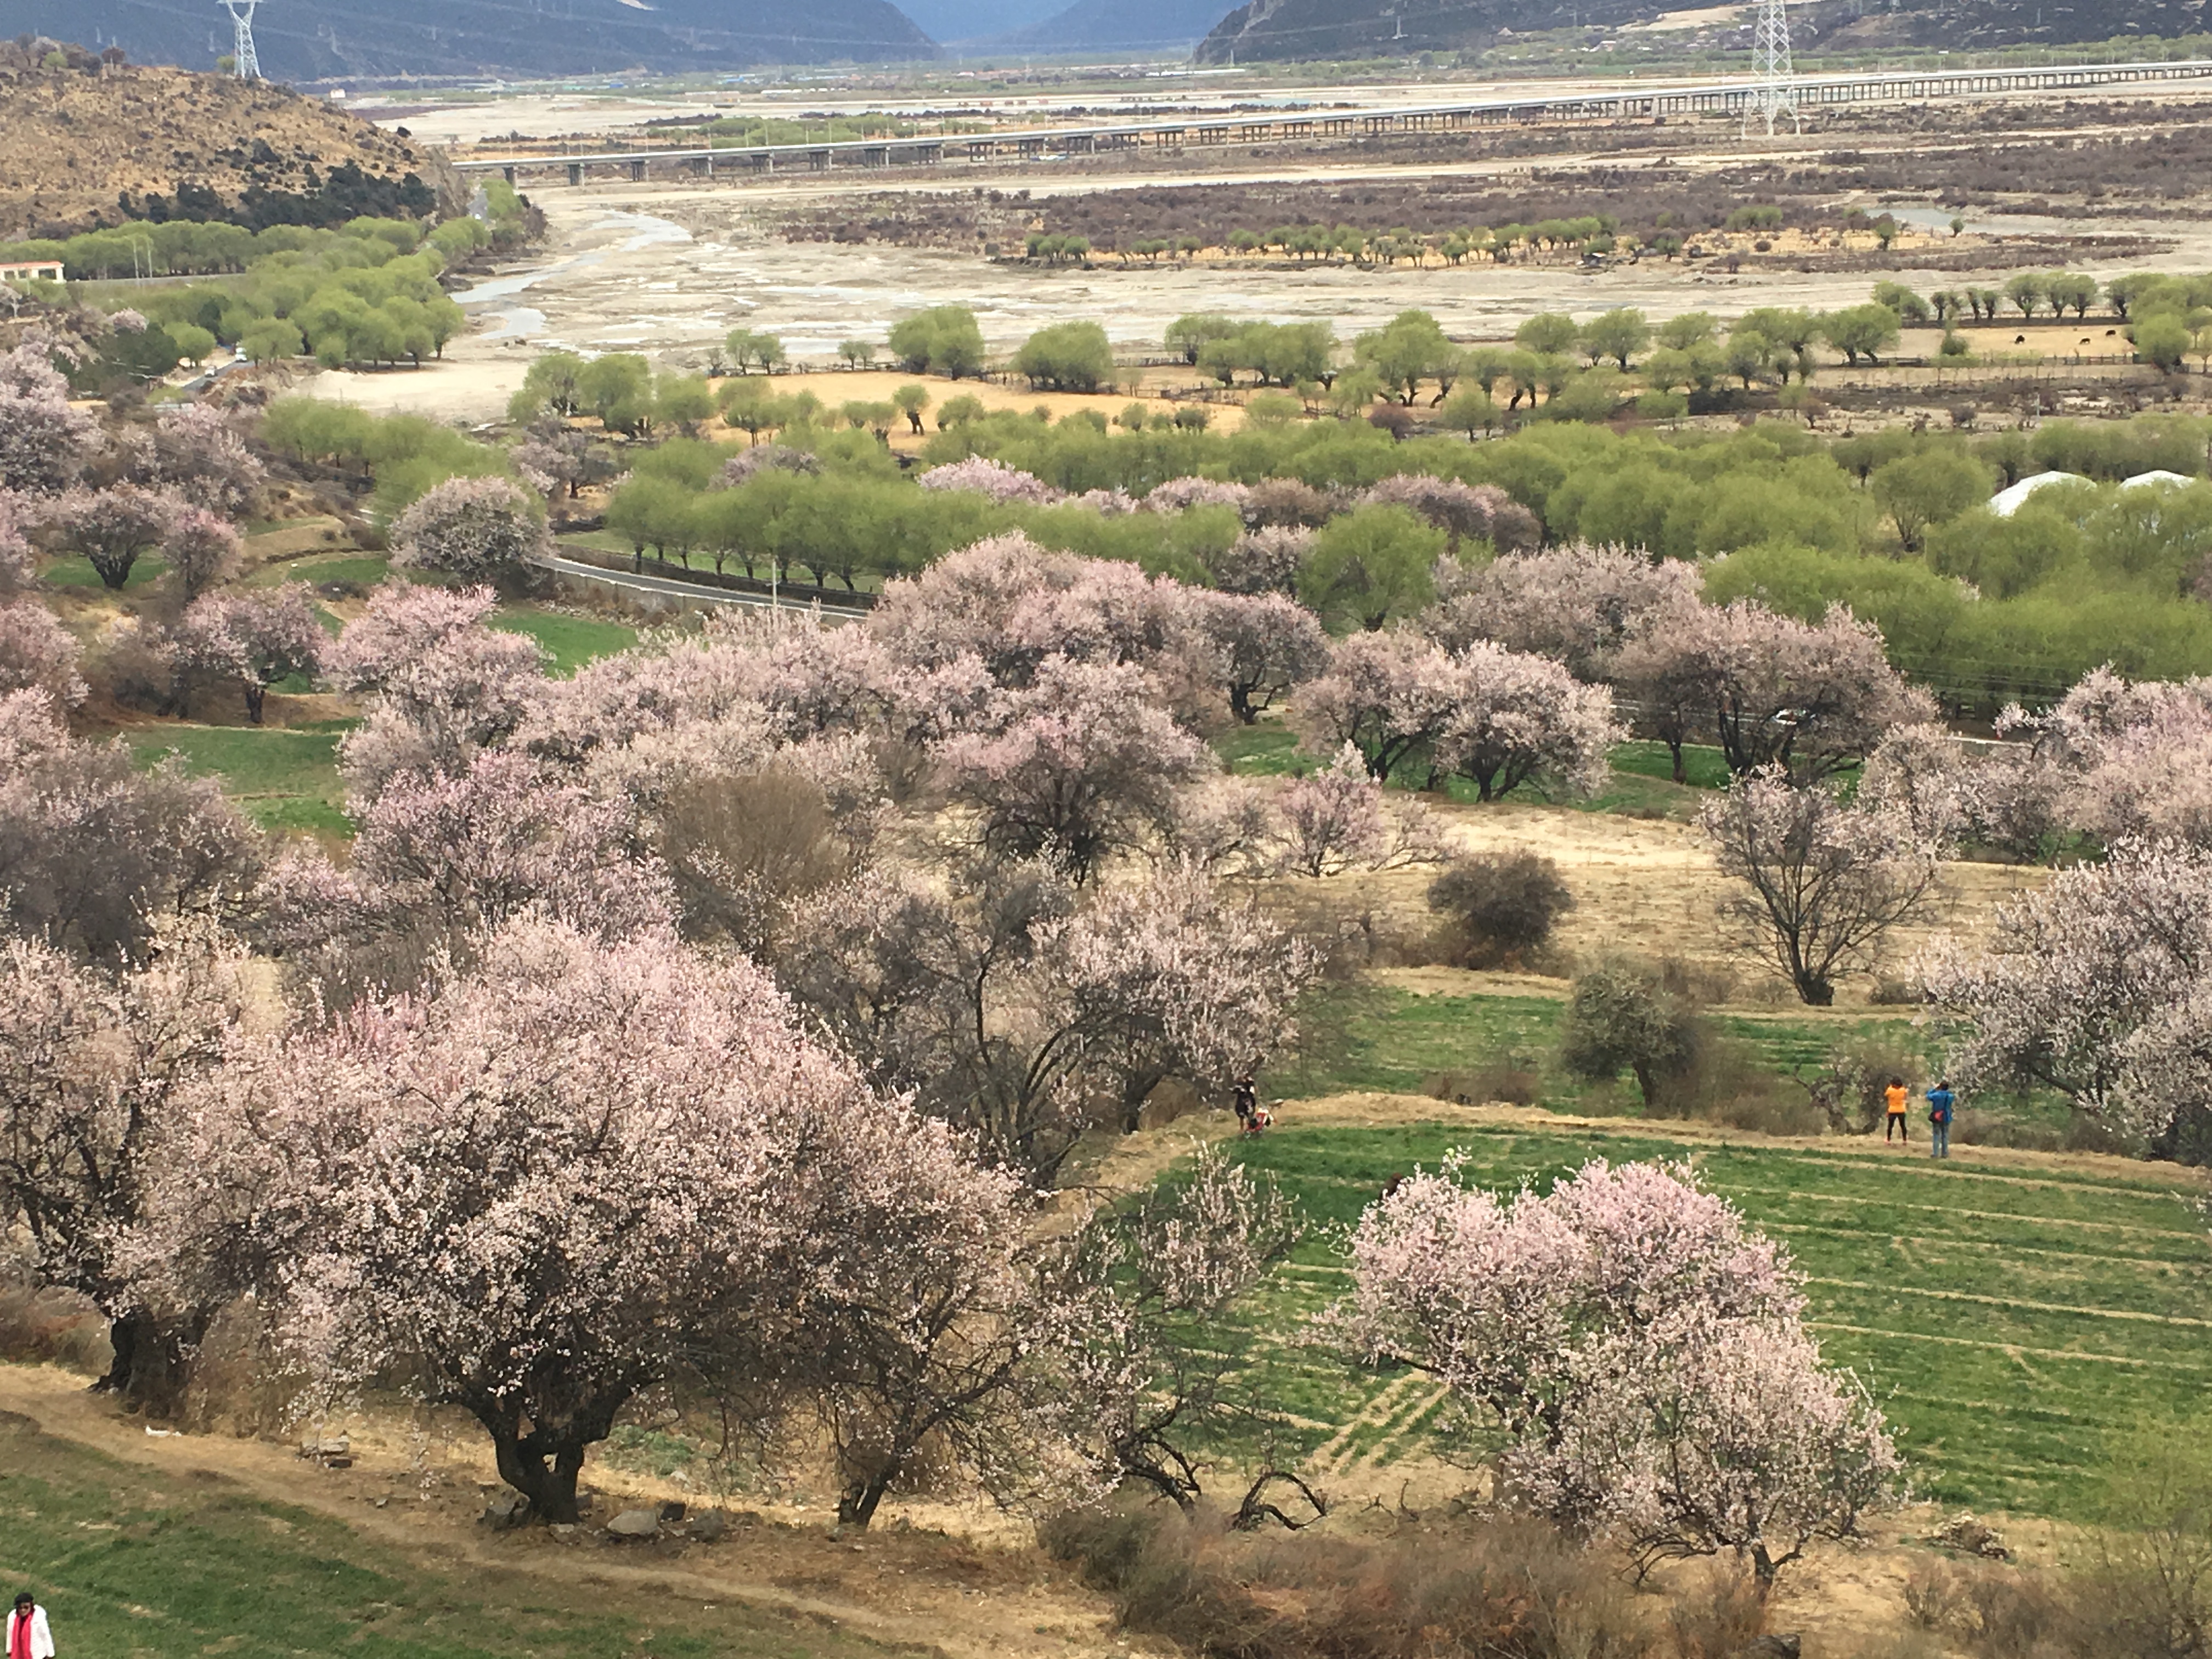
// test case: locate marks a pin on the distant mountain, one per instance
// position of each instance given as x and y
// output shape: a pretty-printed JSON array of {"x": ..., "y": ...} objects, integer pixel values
[
  {"x": 1149, "y": 26},
  {"x": 953, "y": 22},
  {"x": 1264, "y": 29},
  {"x": 325, "y": 39}
]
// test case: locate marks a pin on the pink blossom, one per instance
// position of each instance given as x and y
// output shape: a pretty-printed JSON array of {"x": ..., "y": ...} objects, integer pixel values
[
  {"x": 1481, "y": 513},
  {"x": 474, "y": 529},
  {"x": 1258, "y": 647},
  {"x": 37, "y": 652},
  {"x": 1337, "y": 819},
  {"x": 1266, "y": 560},
  {"x": 1079, "y": 765},
  {"x": 992, "y": 478},
  {"x": 2080, "y": 985},
  {"x": 94, "y": 851},
  {"x": 1577, "y": 604},
  {"x": 572, "y": 1173},
  {"x": 252, "y": 640},
  {"x": 1769, "y": 689},
  {"x": 42, "y": 441},
  {"x": 195, "y": 451},
  {"x": 111, "y": 527},
  {"x": 1181, "y": 494},
  {"x": 1642, "y": 1350},
  {"x": 444, "y": 684}
]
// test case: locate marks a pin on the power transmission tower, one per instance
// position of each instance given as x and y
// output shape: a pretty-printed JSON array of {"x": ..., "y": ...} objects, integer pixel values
[
  {"x": 1775, "y": 94},
  {"x": 246, "y": 67}
]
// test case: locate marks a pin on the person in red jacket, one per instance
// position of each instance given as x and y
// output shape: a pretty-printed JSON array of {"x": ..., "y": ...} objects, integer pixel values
[{"x": 28, "y": 1635}]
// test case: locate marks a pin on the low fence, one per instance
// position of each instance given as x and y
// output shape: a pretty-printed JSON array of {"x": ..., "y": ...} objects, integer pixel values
[{"x": 795, "y": 594}]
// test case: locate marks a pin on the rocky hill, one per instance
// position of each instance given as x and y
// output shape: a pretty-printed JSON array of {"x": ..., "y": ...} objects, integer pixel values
[
  {"x": 1262, "y": 29},
  {"x": 77, "y": 137},
  {"x": 326, "y": 40}
]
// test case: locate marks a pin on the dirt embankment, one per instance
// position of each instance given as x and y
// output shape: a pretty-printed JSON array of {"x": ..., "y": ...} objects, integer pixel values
[{"x": 73, "y": 141}]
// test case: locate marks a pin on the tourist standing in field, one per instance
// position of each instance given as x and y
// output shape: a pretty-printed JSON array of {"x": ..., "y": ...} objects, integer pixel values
[
  {"x": 1895, "y": 1098},
  {"x": 1246, "y": 1099},
  {"x": 28, "y": 1636},
  {"x": 1940, "y": 1103}
]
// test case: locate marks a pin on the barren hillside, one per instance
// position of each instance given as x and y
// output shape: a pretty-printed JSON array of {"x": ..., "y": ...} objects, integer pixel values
[{"x": 73, "y": 140}]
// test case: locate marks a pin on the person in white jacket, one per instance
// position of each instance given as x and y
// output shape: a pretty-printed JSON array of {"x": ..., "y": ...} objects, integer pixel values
[{"x": 28, "y": 1636}]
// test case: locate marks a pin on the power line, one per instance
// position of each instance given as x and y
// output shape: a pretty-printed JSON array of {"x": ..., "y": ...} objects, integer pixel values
[
  {"x": 244, "y": 64},
  {"x": 1770, "y": 60}
]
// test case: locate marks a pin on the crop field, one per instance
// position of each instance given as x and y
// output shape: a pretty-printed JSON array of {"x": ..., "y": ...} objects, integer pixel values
[
  {"x": 130, "y": 1559},
  {"x": 2010, "y": 1317},
  {"x": 284, "y": 779},
  {"x": 1378, "y": 1037}
]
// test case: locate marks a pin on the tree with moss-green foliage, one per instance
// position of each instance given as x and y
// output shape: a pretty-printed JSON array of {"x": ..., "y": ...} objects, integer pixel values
[
  {"x": 1072, "y": 356},
  {"x": 944, "y": 340},
  {"x": 1371, "y": 565}
]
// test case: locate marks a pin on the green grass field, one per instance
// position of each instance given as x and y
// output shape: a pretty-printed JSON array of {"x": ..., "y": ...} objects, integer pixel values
[
  {"x": 570, "y": 641},
  {"x": 2012, "y": 1321},
  {"x": 282, "y": 779},
  {"x": 1378, "y": 1037},
  {"x": 131, "y": 1560},
  {"x": 75, "y": 570},
  {"x": 1642, "y": 784}
]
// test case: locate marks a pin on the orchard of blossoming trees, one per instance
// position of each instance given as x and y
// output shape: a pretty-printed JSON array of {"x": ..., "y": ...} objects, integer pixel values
[{"x": 714, "y": 1022}]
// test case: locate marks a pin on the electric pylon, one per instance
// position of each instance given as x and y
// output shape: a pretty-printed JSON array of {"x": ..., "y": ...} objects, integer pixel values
[
  {"x": 245, "y": 65},
  {"x": 1775, "y": 94}
]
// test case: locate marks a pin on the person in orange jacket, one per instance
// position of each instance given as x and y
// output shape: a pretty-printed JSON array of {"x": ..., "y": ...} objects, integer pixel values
[{"x": 1895, "y": 1097}]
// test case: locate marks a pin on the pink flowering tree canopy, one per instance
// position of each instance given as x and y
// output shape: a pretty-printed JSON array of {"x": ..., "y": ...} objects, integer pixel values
[
  {"x": 113, "y": 527},
  {"x": 443, "y": 684},
  {"x": 1577, "y": 603},
  {"x": 250, "y": 639},
  {"x": 1258, "y": 647},
  {"x": 540, "y": 1187},
  {"x": 1081, "y": 764},
  {"x": 94, "y": 851},
  {"x": 2094, "y": 985},
  {"x": 42, "y": 441},
  {"x": 93, "y": 1067},
  {"x": 476, "y": 529},
  {"x": 1642, "y": 1351},
  {"x": 38, "y": 653},
  {"x": 1769, "y": 689}
]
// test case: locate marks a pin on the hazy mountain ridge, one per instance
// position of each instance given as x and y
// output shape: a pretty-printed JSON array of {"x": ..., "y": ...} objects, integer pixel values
[
  {"x": 1277, "y": 29},
  {"x": 321, "y": 40}
]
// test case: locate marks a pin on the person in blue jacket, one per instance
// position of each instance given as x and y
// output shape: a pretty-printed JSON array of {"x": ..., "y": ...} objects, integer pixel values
[{"x": 1940, "y": 1103}]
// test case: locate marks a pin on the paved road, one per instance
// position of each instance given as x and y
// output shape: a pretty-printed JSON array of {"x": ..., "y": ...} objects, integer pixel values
[{"x": 638, "y": 583}]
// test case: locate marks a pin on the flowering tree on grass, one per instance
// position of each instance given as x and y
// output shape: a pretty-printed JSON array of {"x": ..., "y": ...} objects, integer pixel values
[
  {"x": 92, "y": 1067},
  {"x": 1166, "y": 979},
  {"x": 1258, "y": 647},
  {"x": 113, "y": 527},
  {"x": 1138, "y": 1378},
  {"x": 535, "y": 1189},
  {"x": 444, "y": 686},
  {"x": 1827, "y": 881},
  {"x": 42, "y": 441},
  {"x": 478, "y": 530},
  {"x": 2095, "y": 986},
  {"x": 252, "y": 640},
  {"x": 201, "y": 550},
  {"x": 1499, "y": 718},
  {"x": 1336, "y": 818},
  {"x": 1769, "y": 689},
  {"x": 93, "y": 850},
  {"x": 1642, "y": 1351},
  {"x": 1577, "y": 604}
]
